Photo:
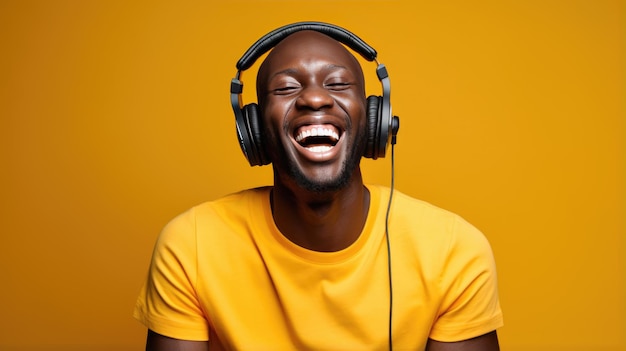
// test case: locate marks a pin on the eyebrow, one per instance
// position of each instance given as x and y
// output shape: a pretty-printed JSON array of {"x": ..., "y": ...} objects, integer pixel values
[
  {"x": 288, "y": 71},
  {"x": 293, "y": 71}
]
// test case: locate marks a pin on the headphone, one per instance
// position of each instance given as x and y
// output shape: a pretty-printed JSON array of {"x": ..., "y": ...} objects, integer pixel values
[{"x": 382, "y": 127}]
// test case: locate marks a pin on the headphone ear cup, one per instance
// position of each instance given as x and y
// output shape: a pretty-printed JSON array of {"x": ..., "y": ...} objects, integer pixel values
[
  {"x": 373, "y": 126},
  {"x": 257, "y": 155}
]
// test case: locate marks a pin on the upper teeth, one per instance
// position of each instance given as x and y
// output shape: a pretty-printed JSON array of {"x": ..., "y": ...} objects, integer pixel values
[{"x": 317, "y": 132}]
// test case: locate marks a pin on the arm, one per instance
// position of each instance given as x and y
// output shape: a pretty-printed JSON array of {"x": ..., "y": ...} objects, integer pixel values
[
  {"x": 158, "y": 342},
  {"x": 470, "y": 312},
  {"x": 487, "y": 342},
  {"x": 168, "y": 303}
]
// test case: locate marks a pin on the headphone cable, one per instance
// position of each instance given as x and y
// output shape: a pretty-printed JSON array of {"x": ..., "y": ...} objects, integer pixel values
[{"x": 390, "y": 336}]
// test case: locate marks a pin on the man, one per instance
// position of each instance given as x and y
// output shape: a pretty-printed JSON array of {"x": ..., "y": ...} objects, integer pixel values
[{"x": 303, "y": 265}]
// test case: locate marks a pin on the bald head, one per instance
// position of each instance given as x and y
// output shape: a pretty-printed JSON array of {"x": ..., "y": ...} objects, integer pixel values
[{"x": 305, "y": 47}]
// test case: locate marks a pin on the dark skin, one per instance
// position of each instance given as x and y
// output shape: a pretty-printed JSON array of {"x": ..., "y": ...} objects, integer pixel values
[
  {"x": 318, "y": 200},
  {"x": 326, "y": 89}
]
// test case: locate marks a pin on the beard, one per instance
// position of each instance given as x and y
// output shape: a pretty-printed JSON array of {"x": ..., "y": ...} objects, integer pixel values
[{"x": 350, "y": 164}]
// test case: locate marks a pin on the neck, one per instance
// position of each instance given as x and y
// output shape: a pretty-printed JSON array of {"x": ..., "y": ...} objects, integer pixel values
[{"x": 325, "y": 222}]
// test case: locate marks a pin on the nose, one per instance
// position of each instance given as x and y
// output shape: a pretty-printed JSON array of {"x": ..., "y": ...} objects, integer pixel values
[{"x": 314, "y": 97}]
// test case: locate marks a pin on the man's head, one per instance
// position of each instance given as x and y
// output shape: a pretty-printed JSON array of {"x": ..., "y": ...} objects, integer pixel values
[{"x": 312, "y": 103}]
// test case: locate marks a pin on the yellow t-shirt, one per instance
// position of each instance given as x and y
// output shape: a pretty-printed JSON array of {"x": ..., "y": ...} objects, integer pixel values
[{"x": 223, "y": 271}]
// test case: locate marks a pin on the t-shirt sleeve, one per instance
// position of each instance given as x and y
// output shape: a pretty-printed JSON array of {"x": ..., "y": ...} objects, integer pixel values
[
  {"x": 167, "y": 303},
  {"x": 471, "y": 305}
]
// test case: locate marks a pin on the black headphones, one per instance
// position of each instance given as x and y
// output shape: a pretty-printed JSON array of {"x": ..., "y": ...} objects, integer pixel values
[{"x": 381, "y": 125}]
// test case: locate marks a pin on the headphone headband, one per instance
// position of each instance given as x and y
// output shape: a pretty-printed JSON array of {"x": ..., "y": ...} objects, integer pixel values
[{"x": 272, "y": 38}]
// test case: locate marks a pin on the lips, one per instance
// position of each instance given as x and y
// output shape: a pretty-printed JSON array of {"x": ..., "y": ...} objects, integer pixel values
[{"x": 317, "y": 138}]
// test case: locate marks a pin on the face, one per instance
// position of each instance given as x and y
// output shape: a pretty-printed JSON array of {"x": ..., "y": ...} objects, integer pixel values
[{"x": 312, "y": 100}]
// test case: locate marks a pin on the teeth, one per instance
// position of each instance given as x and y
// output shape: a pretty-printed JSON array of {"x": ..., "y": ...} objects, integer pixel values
[
  {"x": 317, "y": 132},
  {"x": 321, "y": 148}
]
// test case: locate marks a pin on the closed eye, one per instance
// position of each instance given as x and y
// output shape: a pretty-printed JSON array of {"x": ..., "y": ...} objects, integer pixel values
[
  {"x": 338, "y": 86},
  {"x": 285, "y": 90}
]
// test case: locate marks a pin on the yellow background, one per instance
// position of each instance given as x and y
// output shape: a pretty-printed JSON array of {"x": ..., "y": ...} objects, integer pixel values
[{"x": 115, "y": 117}]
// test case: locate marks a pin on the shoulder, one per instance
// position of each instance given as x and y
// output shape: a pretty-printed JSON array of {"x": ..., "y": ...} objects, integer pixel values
[
  {"x": 222, "y": 212},
  {"x": 404, "y": 204},
  {"x": 407, "y": 212},
  {"x": 432, "y": 233},
  {"x": 235, "y": 203},
  {"x": 228, "y": 206}
]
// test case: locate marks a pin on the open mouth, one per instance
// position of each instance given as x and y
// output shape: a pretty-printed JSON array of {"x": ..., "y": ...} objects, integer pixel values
[{"x": 317, "y": 138}]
